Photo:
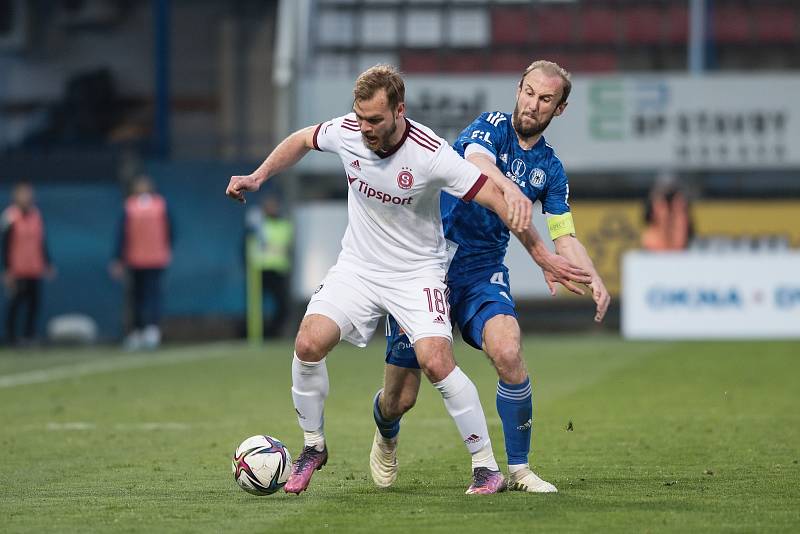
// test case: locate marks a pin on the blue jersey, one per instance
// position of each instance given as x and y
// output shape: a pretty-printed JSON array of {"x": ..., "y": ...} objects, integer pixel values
[{"x": 481, "y": 236}]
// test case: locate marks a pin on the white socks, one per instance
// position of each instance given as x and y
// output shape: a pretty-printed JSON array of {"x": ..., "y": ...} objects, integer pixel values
[
  {"x": 517, "y": 467},
  {"x": 309, "y": 390},
  {"x": 462, "y": 403}
]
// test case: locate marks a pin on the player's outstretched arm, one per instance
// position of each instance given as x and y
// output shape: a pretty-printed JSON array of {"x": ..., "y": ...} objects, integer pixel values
[
  {"x": 520, "y": 208},
  {"x": 490, "y": 196},
  {"x": 287, "y": 153},
  {"x": 557, "y": 269},
  {"x": 572, "y": 249}
]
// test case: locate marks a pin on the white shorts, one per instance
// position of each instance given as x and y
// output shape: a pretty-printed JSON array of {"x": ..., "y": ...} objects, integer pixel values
[{"x": 356, "y": 300}]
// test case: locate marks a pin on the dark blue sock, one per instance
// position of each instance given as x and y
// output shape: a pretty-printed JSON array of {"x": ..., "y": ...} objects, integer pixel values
[
  {"x": 387, "y": 428},
  {"x": 515, "y": 407}
]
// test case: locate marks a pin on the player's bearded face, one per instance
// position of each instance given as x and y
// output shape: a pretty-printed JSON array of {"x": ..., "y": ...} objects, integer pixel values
[
  {"x": 538, "y": 101},
  {"x": 527, "y": 122},
  {"x": 377, "y": 139}
]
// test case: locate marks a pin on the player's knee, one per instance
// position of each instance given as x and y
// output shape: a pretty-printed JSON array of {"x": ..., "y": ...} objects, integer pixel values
[
  {"x": 507, "y": 359},
  {"x": 437, "y": 367},
  {"x": 435, "y": 358},
  {"x": 308, "y": 349}
]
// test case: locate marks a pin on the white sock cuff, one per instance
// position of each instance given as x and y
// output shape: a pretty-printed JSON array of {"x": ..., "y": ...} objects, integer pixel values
[
  {"x": 484, "y": 457},
  {"x": 517, "y": 467},
  {"x": 453, "y": 383},
  {"x": 308, "y": 364}
]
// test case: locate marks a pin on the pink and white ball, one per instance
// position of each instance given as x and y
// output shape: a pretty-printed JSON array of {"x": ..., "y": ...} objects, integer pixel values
[{"x": 261, "y": 465}]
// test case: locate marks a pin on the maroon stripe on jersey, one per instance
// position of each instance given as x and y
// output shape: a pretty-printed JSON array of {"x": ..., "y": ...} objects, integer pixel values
[
  {"x": 351, "y": 121},
  {"x": 475, "y": 188},
  {"x": 316, "y": 132},
  {"x": 351, "y": 129},
  {"x": 420, "y": 142},
  {"x": 425, "y": 136},
  {"x": 395, "y": 148}
]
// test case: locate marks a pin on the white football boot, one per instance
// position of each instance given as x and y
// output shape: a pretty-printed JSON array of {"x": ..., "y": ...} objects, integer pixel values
[
  {"x": 383, "y": 460},
  {"x": 526, "y": 480}
]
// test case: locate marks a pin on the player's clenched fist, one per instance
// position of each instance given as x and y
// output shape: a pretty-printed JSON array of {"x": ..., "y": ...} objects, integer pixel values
[{"x": 241, "y": 184}]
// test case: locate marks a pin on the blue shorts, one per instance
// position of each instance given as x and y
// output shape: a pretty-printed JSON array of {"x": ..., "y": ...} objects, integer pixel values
[{"x": 472, "y": 303}]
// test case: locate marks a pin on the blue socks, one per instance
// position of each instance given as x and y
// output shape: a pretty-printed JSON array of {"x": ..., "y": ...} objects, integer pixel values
[
  {"x": 388, "y": 429},
  {"x": 515, "y": 407}
]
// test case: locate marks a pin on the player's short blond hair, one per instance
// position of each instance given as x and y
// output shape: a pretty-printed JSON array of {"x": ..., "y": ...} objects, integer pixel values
[
  {"x": 552, "y": 69},
  {"x": 384, "y": 77}
]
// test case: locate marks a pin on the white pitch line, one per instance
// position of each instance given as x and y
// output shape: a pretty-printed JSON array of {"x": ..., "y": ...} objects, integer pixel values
[
  {"x": 76, "y": 425},
  {"x": 106, "y": 365},
  {"x": 153, "y": 426},
  {"x": 82, "y": 425}
]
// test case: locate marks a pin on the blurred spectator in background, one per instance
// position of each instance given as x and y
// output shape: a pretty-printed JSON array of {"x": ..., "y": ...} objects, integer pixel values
[
  {"x": 668, "y": 222},
  {"x": 25, "y": 262},
  {"x": 270, "y": 250},
  {"x": 144, "y": 248}
]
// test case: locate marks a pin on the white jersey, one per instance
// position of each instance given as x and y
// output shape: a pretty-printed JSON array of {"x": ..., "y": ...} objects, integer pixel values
[{"x": 394, "y": 219}]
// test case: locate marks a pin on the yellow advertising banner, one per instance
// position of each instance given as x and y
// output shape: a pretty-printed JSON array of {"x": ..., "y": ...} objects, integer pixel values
[
  {"x": 610, "y": 228},
  {"x": 749, "y": 219}
]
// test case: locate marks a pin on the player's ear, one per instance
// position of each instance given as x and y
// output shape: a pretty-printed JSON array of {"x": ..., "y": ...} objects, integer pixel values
[
  {"x": 560, "y": 109},
  {"x": 401, "y": 109}
]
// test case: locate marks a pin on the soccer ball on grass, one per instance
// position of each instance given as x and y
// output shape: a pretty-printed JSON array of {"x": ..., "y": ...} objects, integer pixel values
[{"x": 261, "y": 465}]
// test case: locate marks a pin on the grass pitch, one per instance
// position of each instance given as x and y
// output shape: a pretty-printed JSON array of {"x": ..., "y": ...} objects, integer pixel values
[{"x": 665, "y": 437}]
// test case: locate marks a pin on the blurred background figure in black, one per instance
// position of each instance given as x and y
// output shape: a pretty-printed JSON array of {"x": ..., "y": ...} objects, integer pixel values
[
  {"x": 25, "y": 262},
  {"x": 144, "y": 249},
  {"x": 270, "y": 250}
]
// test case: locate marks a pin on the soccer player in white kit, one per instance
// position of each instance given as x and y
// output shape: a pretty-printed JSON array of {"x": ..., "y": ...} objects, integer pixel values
[{"x": 393, "y": 258}]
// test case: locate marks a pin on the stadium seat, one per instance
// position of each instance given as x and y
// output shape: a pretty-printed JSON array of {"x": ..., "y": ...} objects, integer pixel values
[
  {"x": 731, "y": 24},
  {"x": 597, "y": 62},
  {"x": 516, "y": 62},
  {"x": 643, "y": 25},
  {"x": 776, "y": 25},
  {"x": 419, "y": 62},
  {"x": 677, "y": 27},
  {"x": 511, "y": 25},
  {"x": 553, "y": 25},
  {"x": 464, "y": 61},
  {"x": 510, "y": 62},
  {"x": 469, "y": 28},
  {"x": 564, "y": 59},
  {"x": 599, "y": 26}
]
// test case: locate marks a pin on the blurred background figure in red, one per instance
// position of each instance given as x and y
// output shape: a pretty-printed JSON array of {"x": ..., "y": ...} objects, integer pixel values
[
  {"x": 144, "y": 249},
  {"x": 25, "y": 263},
  {"x": 668, "y": 223}
]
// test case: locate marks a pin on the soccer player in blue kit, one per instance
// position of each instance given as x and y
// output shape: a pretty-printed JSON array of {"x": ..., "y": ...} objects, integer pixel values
[{"x": 480, "y": 293}]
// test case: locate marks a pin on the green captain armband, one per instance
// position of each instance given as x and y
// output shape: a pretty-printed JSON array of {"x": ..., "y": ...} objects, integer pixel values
[{"x": 560, "y": 225}]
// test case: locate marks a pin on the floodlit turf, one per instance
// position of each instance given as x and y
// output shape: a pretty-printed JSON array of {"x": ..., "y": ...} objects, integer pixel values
[{"x": 666, "y": 437}]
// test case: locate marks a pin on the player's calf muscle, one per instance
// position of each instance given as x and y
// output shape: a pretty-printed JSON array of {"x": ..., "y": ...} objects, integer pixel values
[{"x": 395, "y": 406}]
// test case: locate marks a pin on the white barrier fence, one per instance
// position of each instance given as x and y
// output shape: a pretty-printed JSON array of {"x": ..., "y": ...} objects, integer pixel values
[
  {"x": 704, "y": 296},
  {"x": 321, "y": 225}
]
